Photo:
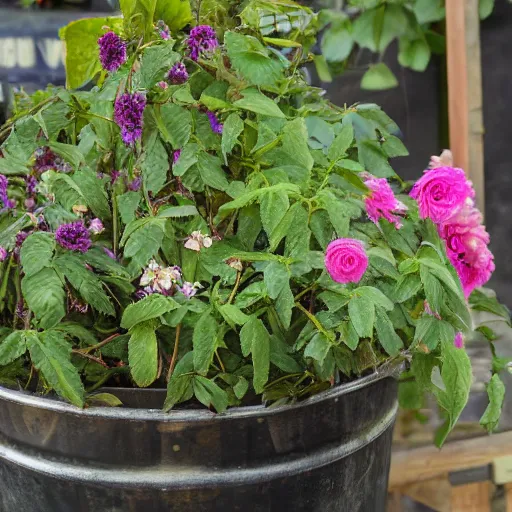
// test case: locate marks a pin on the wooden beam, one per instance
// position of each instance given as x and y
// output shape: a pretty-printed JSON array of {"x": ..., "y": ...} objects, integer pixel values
[
  {"x": 411, "y": 466},
  {"x": 474, "y": 497},
  {"x": 465, "y": 91}
]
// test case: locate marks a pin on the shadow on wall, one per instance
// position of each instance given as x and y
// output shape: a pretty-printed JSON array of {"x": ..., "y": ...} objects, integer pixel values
[{"x": 497, "y": 77}]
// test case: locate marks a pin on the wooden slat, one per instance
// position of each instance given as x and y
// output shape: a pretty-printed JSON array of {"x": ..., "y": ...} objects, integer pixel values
[
  {"x": 411, "y": 466},
  {"x": 508, "y": 497},
  {"x": 435, "y": 493},
  {"x": 471, "y": 498},
  {"x": 465, "y": 90}
]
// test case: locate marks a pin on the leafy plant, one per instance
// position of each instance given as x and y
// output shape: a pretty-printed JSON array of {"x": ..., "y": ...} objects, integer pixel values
[{"x": 173, "y": 225}]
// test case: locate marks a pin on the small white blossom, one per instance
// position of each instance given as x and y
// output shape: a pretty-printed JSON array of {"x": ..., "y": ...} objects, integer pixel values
[{"x": 196, "y": 241}]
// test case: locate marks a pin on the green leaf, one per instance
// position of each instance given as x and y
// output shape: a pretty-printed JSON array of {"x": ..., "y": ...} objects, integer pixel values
[
  {"x": 205, "y": 342},
  {"x": 68, "y": 152},
  {"x": 376, "y": 296},
  {"x": 179, "y": 384},
  {"x": 388, "y": 338},
  {"x": 85, "y": 282},
  {"x": 155, "y": 63},
  {"x": 433, "y": 290},
  {"x": 255, "y": 101},
  {"x": 373, "y": 158},
  {"x": 233, "y": 127},
  {"x": 211, "y": 172},
  {"x": 233, "y": 315},
  {"x": 485, "y": 8},
  {"x": 175, "y": 125},
  {"x": 139, "y": 16},
  {"x": 276, "y": 277},
  {"x": 496, "y": 393},
  {"x": 155, "y": 164},
  {"x": 142, "y": 239},
  {"x": 273, "y": 207},
  {"x": 362, "y": 314},
  {"x": 408, "y": 286},
  {"x": 143, "y": 353},
  {"x": 284, "y": 305},
  {"x": 349, "y": 335},
  {"x": 210, "y": 394},
  {"x": 456, "y": 375},
  {"x": 44, "y": 293},
  {"x": 174, "y": 13},
  {"x": 127, "y": 205},
  {"x": 37, "y": 252},
  {"x": 318, "y": 347},
  {"x": 279, "y": 356},
  {"x": 252, "y": 60},
  {"x": 103, "y": 400},
  {"x": 428, "y": 11},
  {"x": 337, "y": 42},
  {"x": 414, "y": 54},
  {"x": 174, "y": 212},
  {"x": 12, "y": 347},
  {"x": 93, "y": 192},
  {"x": 82, "y": 54},
  {"x": 50, "y": 354},
  {"x": 322, "y": 68},
  {"x": 149, "y": 307},
  {"x": 255, "y": 339},
  {"x": 341, "y": 143},
  {"x": 379, "y": 78}
]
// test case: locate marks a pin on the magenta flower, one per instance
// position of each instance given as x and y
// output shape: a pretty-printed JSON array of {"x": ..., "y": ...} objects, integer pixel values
[
  {"x": 202, "y": 39},
  {"x": 467, "y": 247},
  {"x": 74, "y": 236},
  {"x": 112, "y": 51},
  {"x": 459, "y": 340},
  {"x": 382, "y": 203},
  {"x": 20, "y": 238},
  {"x": 178, "y": 74},
  {"x": 176, "y": 155},
  {"x": 214, "y": 122},
  {"x": 441, "y": 192},
  {"x": 3, "y": 254},
  {"x": 128, "y": 114},
  {"x": 4, "y": 183},
  {"x": 346, "y": 260},
  {"x": 163, "y": 85}
]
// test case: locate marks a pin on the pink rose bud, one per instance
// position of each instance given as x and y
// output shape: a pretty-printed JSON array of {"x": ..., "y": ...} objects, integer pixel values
[
  {"x": 96, "y": 226},
  {"x": 346, "y": 260},
  {"x": 441, "y": 193}
]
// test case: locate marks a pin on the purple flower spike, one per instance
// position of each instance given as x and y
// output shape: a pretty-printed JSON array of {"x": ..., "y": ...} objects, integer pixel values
[
  {"x": 4, "y": 183},
  {"x": 176, "y": 156},
  {"x": 202, "y": 40},
  {"x": 3, "y": 254},
  {"x": 31, "y": 184},
  {"x": 178, "y": 74},
  {"x": 214, "y": 122},
  {"x": 135, "y": 184},
  {"x": 112, "y": 51},
  {"x": 128, "y": 114},
  {"x": 74, "y": 236}
]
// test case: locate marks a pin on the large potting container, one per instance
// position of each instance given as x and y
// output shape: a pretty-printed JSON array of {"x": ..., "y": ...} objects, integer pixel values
[{"x": 329, "y": 453}]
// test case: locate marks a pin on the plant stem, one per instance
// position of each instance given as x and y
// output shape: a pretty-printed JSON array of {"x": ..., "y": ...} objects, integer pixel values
[
  {"x": 101, "y": 344},
  {"x": 235, "y": 288},
  {"x": 317, "y": 324},
  {"x": 115, "y": 224},
  {"x": 175, "y": 352},
  {"x": 303, "y": 292},
  {"x": 223, "y": 368},
  {"x": 32, "y": 369},
  {"x": 91, "y": 358}
]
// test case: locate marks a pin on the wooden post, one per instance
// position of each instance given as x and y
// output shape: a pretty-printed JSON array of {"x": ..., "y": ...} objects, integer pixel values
[
  {"x": 465, "y": 91},
  {"x": 471, "y": 498}
]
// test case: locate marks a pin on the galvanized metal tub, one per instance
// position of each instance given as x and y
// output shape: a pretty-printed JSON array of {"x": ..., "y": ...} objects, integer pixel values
[{"x": 328, "y": 453}]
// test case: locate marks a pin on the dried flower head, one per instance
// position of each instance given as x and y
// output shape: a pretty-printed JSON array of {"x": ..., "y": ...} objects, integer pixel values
[{"x": 196, "y": 241}]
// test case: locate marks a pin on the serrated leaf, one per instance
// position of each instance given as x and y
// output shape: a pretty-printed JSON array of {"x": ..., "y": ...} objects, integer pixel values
[
  {"x": 284, "y": 305},
  {"x": 143, "y": 353},
  {"x": 406, "y": 287},
  {"x": 68, "y": 152},
  {"x": 37, "y": 252},
  {"x": 433, "y": 290},
  {"x": 211, "y": 172},
  {"x": 379, "y": 78},
  {"x": 456, "y": 375},
  {"x": 44, "y": 293},
  {"x": 175, "y": 125},
  {"x": 255, "y": 340},
  {"x": 388, "y": 338},
  {"x": 318, "y": 347},
  {"x": 362, "y": 314},
  {"x": 155, "y": 164},
  {"x": 210, "y": 394},
  {"x": 252, "y": 60},
  {"x": 104, "y": 399},
  {"x": 127, "y": 205},
  {"x": 205, "y": 342},
  {"x": 179, "y": 384},
  {"x": 92, "y": 190},
  {"x": 233, "y": 315},
  {"x": 155, "y": 62},
  {"x": 50, "y": 354},
  {"x": 349, "y": 335},
  {"x": 85, "y": 282},
  {"x": 12, "y": 347},
  {"x": 373, "y": 158},
  {"x": 149, "y": 307},
  {"x": 431, "y": 331},
  {"x": 233, "y": 127},
  {"x": 496, "y": 393},
  {"x": 341, "y": 143},
  {"x": 376, "y": 296},
  {"x": 414, "y": 54},
  {"x": 257, "y": 102},
  {"x": 186, "y": 210},
  {"x": 337, "y": 41},
  {"x": 276, "y": 277},
  {"x": 142, "y": 239}
]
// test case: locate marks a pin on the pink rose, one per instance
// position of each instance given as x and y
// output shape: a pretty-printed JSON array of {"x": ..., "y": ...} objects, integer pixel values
[
  {"x": 381, "y": 202},
  {"x": 346, "y": 260},
  {"x": 441, "y": 192}
]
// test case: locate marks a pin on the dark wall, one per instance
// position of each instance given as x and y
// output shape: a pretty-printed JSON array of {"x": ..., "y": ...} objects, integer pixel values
[{"x": 497, "y": 80}]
